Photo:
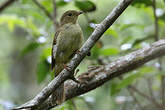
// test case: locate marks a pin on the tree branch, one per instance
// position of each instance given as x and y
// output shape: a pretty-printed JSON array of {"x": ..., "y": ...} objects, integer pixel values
[
  {"x": 162, "y": 92},
  {"x": 64, "y": 75},
  {"x": 99, "y": 75},
  {"x": 56, "y": 24},
  {"x": 44, "y": 9},
  {"x": 145, "y": 96},
  {"x": 135, "y": 99},
  {"x": 6, "y": 4}
]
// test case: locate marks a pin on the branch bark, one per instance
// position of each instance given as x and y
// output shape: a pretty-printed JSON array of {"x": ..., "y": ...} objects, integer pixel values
[
  {"x": 99, "y": 75},
  {"x": 64, "y": 75},
  {"x": 56, "y": 24},
  {"x": 6, "y": 4}
]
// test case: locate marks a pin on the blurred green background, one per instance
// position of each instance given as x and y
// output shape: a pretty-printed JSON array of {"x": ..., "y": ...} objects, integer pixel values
[{"x": 26, "y": 35}]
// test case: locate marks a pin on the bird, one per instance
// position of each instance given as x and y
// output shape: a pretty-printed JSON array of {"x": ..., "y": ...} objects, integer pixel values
[{"x": 67, "y": 41}]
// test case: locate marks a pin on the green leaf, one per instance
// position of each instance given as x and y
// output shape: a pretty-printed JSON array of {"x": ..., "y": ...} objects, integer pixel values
[
  {"x": 162, "y": 17},
  {"x": 24, "y": 1},
  {"x": 117, "y": 87},
  {"x": 47, "y": 4},
  {"x": 11, "y": 21},
  {"x": 94, "y": 52},
  {"x": 85, "y": 6},
  {"x": 61, "y": 3},
  {"x": 42, "y": 70},
  {"x": 113, "y": 89},
  {"x": 126, "y": 26},
  {"x": 127, "y": 81},
  {"x": 46, "y": 52},
  {"x": 112, "y": 32},
  {"x": 138, "y": 3},
  {"x": 29, "y": 48},
  {"x": 126, "y": 39},
  {"x": 67, "y": 106},
  {"x": 33, "y": 28},
  {"x": 109, "y": 51},
  {"x": 146, "y": 69}
]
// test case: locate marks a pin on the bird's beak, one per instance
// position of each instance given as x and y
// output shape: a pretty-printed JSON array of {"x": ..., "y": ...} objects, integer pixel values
[{"x": 80, "y": 12}]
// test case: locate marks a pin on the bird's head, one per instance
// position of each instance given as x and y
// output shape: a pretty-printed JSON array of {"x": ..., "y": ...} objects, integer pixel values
[{"x": 70, "y": 17}]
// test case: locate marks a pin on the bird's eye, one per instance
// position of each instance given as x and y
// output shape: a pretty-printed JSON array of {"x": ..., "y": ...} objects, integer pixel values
[{"x": 70, "y": 14}]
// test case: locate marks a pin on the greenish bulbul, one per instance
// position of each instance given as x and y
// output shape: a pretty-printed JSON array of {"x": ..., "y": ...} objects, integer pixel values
[{"x": 67, "y": 41}]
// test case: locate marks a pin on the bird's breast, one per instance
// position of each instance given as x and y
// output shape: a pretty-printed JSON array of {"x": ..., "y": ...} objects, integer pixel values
[{"x": 72, "y": 30}]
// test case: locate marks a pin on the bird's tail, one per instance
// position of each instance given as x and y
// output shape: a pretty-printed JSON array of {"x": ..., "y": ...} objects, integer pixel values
[{"x": 58, "y": 95}]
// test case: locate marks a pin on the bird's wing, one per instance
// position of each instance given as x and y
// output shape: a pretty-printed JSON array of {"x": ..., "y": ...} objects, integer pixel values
[{"x": 54, "y": 49}]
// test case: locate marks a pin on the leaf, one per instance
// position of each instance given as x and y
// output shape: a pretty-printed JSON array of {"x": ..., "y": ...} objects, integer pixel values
[
  {"x": 24, "y": 1},
  {"x": 61, "y": 3},
  {"x": 29, "y": 48},
  {"x": 138, "y": 41},
  {"x": 43, "y": 67},
  {"x": 117, "y": 87},
  {"x": 47, "y": 4},
  {"x": 126, "y": 26},
  {"x": 112, "y": 32},
  {"x": 42, "y": 70},
  {"x": 127, "y": 81},
  {"x": 33, "y": 28},
  {"x": 67, "y": 106},
  {"x": 85, "y": 6},
  {"x": 162, "y": 17},
  {"x": 113, "y": 89},
  {"x": 109, "y": 51},
  {"x": 126, "y": 39},
  {"x": 11, "y": 21},
  {"x": 46, "y": 52},
  {"x": 137, "y": 3},
  {"x": 131, "y": 78}
]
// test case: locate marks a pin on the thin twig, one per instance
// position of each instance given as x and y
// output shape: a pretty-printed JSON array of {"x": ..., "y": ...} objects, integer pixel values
[
  {"x": 102, "y": 74},
  {"x": 146, "y": 97},
  {"x": 56, "y": 24},
  {"x": 159, "y": 60},
  {"x": 43, "y": 9},
  {"x": 6, "y": 4},
  {"x": 156, "y": 21},
  {"x": 149, "y": 83},
  {"x": 135, "y": 99},
  {"x": 93, "y": 38}
]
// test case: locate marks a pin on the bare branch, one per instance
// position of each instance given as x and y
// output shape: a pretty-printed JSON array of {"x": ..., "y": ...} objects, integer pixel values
[
  {"x": 149, "y": 84},
  {"x": 135, "y": 99},
  {"x": 146, "y": 97},
  {"x": 6, "y": 4},
  {"x": 64, "y": 75},
  {"x": 56, "y": 24},
  {"x": 160, "y": 59},
  {"x": 101, "y": 74},
  {"x": 43, "y": 9}
]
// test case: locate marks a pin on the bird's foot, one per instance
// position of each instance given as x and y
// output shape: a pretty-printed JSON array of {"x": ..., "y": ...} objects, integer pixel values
[
  {"x": 67, "y": 67},
  {"x": 78, "y": 52}
]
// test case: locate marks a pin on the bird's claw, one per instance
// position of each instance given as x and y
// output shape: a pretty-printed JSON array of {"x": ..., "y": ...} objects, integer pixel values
[{"x": 67, "y": 67}]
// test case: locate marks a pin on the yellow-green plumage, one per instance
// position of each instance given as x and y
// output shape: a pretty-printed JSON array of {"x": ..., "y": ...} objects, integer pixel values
[{"x": 68, "y": 39}]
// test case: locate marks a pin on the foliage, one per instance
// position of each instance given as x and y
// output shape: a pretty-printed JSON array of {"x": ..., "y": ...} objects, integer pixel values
[{"x": 26, "y": 40}]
